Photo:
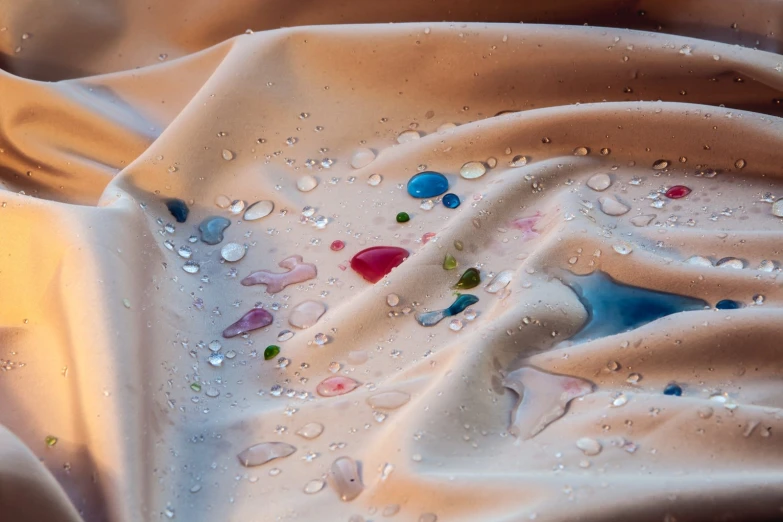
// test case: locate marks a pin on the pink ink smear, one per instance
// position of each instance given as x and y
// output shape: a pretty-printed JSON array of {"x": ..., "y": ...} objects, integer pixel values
[{"x": 527, "y": 225}]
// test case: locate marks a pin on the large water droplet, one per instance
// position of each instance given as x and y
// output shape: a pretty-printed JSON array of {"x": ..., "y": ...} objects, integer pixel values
[
  {"x": 266, "y": 451},
  {"x": 306, "y": 183},
  {"x": 599, "y": 182},
  {"x": 211, "y": 229},
  {"x": 232, "y": 252},
  {"x": 500, "y": 281},
  {"x": 258, "y": 210},
  {"x": 227, "y": 155},
  {"x": 390, "y": 400},
  {"x": 362, "y": 157},
  {"x": 408, "y": 135},
  {"x": 611, "y": 207},
  {"x": 311, "y": 430},
  {"x": 314, "y": 486},
  {"x": 333, "y": 386},
  {"x": 589, "y": 446},
  {"x": 472, "y": 170},
  {"x": 306, "y": 314},
  {"x": 344, "y": 478}
]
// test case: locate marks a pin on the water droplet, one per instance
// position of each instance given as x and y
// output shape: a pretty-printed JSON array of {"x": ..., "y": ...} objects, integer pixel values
[
  {"x": 633, "y": 378},
  {"x": 391, "y": 510},
  {"x": 212, "y": 392},
  {"x": 291, "y": 141},
  {"x": 605, "y": 152},
  {"x": 427, "y": 184},
  {"x": 777, "y": 208},
  {"x": 622, "y": 248},
  {"x": 344, "y": 478},
  {"x": 660, "y": 164},
  {"x": 740, "y": 164},
  {"x": 374, "y": 180},
  {"x": 216, "y": 360},
  {"x": 686, "y": 50},
  {"x": 408, "y": 135},
  {"x": 470, "y": 314},
  {"x": 298, "y": 272},
  {"x": 449, "y": 262},
  {"x": 265, "y": 452},
  {"x": 458, "y": 245},
  {"x": 232, "y": 252},
  {"x": 450, "y": 201},
  {"x": 620, "y": 400},
  {"x": 311, "y": 430},
  {"x": 455, "y": 325},
  {"x": 677, "y": 192},
  {"x": 672, "y": 389},
  {"x": 306, "y": 183},
  {"x": 376, "y": 262},
  {"x": 589, "y": 446},
  {"x": 185, "y": 252},
  {"x": 698, "y": 261},
  {"x": 227, "y": 155},
  {"x": 543, "y": 398},
  {"x": 428, "y": 517},
  {"x": 642, "y": 221},
  {"x": 599, "y": 182},
  {"x": 758, "y": 299},
  {"x": 178, "y": 208},
  {"x": 191, "y": 267},
  {"x": 258, "y": 210},
  {"x": 728, "y": 304},
  {"x": 471, "y": 278},
  {"x": 611, "y": 207},
  {"x": 211, "y": 229},
  {"x": 362, "y": 157},
  {"x": 472, "y": 170},
  {"x": 271, "y": 351},
  {"x": 338, "y": 385},
  {"x": 253, "y": 320},
  {"x": 519, "y": 161},
  {"x": 215, "y": 346},
  {"x": 314, "y": 486},
  {"x": 306, "y": 314},
  {"x": 50, "y": 440},
  {"x": 500, "y": 281},
  {"x": 581, "y": 151},
  {"x": 392, "y": 300},
  {"x": 388, "y": 400},
  {"x": 730, "y": 262},
  {"x": 285, "y": 335}
]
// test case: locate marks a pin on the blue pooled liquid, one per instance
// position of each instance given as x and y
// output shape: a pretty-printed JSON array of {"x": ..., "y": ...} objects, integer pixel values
[
  {"x": 212, "y": 228},
  {"x": 673, "y": 389},
  {"x": 427, "y": 185},
  {"x": 178, "y": 208},
  {"x": 614, "y": 308},
  {"x": 436, "y": 316},
  {"x": 728, "y": 304},
  {"x": 451, "y": 200}
]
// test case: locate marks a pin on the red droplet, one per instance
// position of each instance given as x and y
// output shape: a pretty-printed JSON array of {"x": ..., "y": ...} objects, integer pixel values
[
  {"x": 375, "y": 262},
  {"x": 333, "y": 386},
  {"x": 677, "y": 192},
  {"x": 426, "y": 237},
  {"x": 337, "y": 245}
]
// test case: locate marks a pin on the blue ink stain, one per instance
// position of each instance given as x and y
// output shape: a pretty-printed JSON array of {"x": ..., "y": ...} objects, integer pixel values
[
  {"x": 728, "y": 304},
  {"x": 212, "y": 228},
  {"x": 672, "y": 389},
  {"x": 451, "y": 200},
  {"x": 178, "y": 208},
  {"x": 427, "y": 185},
  {"x": 436, "y": 316},
  {"x": 614, "y": 307}
]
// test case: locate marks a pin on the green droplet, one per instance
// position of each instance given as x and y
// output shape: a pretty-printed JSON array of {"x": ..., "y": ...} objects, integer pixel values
[
  {"x": 196, "y": 387},
  {"x": 403, "y": 217},
  {"x": 449, "y": 263},
  {"x": 458, "y": 245},
  {"x": 50, "y": 440},
  {"x": 271, "y": 352},
  {"x": 470, "y": 279}
]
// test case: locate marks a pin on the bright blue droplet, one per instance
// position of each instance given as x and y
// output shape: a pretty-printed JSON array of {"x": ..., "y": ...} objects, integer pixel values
[
  {"x": 451, "y": 200},
  {"x": 614, "y": 308},
  {"x": 212, "y": 228},
  {"x": 178, "y": 208},
  {"x": 672, "y": 389},
  {"x": 728, "y": 304},
  {"x": 427, "y": 185}
]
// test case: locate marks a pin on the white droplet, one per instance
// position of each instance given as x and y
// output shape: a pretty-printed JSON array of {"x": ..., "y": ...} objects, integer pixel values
[
  {"x": 216, "y": 360},
  {"x": 472, "y": 170},
  {"x": 500, "y": 281},
  {"x": 777, "y": 208},
  {"x": 306, "y": 183},
  {"x": 215, "y": 346},
  {"x": 191, "y": 267},
  {"x": 589, "y": 446},
  {"x": 621, "y": 400},
  {"x": 686, "y": 50},
  {"x": 362, "y": 157},
  {"x": 408, "y": 135},
  {"x": 259, "y": 454},
  {"x": 611, "y": 207},
  {"x": 698, "y": 261},
  {"x": 581, "y": 151},
  {"x": 232, "y": 252},
  {"x": 237, "y": 206},
  {"x": 599, "y": 182},
  {"x": 311, "y": 430},
  {"x": 227, "y": 155},
  {"x": 731, "y": 262},
  {"x": 427, "y": 204},
  {"x": 455, "y": 325},
  {"x": 258, "y": 210},
  {"x": 444, "y": 127},
  {"x": 392, "y": 300},
  {"x": 306, "y": 314},
  {"x": 374, "y": 180},
  {"x": 285, "y": 335},
  {"x": 622, "y": 248},
  {"x": 314, "y": 486}
]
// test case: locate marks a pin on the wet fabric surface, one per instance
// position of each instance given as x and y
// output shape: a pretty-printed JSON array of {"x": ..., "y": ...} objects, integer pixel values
[{"x": 170, "y": 352}]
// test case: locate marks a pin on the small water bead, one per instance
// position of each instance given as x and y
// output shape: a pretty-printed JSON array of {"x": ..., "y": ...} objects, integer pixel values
[
  {"x": 660, "y": 164},
  {"x": 311, "y": 430},
  {"x": 392, "y": 299},
  {"x": 758, "y": 299},
  {"x": 321, "y": 339},
  {"x": 611, "y": 207},
  {"x": 321, "y": 222},
  {"x": 212, "y": 228},
  {"x": 334, "y": 386},
  {"x": 362, "y": 157},
  {"x": 471, "y": 278},
  {"x": 427, "y": 204},
  {"x": 344, "y": 479},
  {"x": 633, "y": 378},
  {"x": 589, "y": 446},
  {"x": 620, "y": 400},
  {"x": 178, "y": 208},
  {"x": 407, "y": 136},
  {"x": 455, "y": 325},
  {"x": 337, "y": 245},
  {"x": 216, "y": 359},
  {"x": 212, "y": 392},
  {"x": 427, "y": 184},
  {"x": 236, "y": 206},
  {"x": 232, "y": 252},
  {"x": 599, "y": 182},
  {"x": 612, "y": 366},
  {"x": 308, "y": 211},
  {"x": 391, "y": 510},
  {"x": 215, "y": 346},
  {"x": 185, "y": 252},
  {"x": 326, "y": 162},
  {"x": 374, "y": 180},
  {"x": 403, "y": 217},
  {"x": 50, "y": 440},
  {"x": 169, "y": 228},
  {"x": 285, "y": 335},
  {"x": 259, "y": 454},
  {"x": 291, "y": 141},
  {"x": 677, "y": 192},
  {"x": 314, "y": 486},
  {"x": 227, "y": 155},
  {"x": 258, "y": 210},
  {"x": 450, "y": 200},
  {"x": 306, "y": 183},
  {"x": 449, "y": 262},
  {"x": 673, "y": 389},
  {"x": 740, "y": 164},
  {"x": 777, "y": 208},
  {"x": 376, "y": 262},
  {"x": 335, "y": 367},
  {"x": 622, "y": 248},
  {"x": 581, "y": 151},
  {"x": 191, "y": 267},
  {"x": 605, "y": 151},
  {"x": 270, "y": 352},
  {"x": 730, "y": 262},
  {"x": 518, "y": 161},
  {"x": 728, "y": 304},
  {"x": 458, "y": 245},
  {"x": 470, "y": 314},
  {"x": 472, "y": 170}
]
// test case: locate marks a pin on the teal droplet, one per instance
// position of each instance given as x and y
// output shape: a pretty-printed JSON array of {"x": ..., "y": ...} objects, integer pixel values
[
  {"x": 212, "y": 228},
  {"x": 470, "y": 279}
]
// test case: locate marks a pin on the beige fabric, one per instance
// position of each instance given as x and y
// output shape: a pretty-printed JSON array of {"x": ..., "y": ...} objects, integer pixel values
[{"x": 101, "y": 326}]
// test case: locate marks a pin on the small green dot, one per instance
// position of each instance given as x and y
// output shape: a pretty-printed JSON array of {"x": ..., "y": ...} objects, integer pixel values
[
  {"x": 50, "y": 440},
  {"x": 403, "y": 217},
  {"x": 196, "y": 387},
  {"x": 271, "y": 352}
]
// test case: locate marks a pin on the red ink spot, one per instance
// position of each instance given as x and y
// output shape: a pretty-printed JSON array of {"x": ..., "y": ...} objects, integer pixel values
[
  {"x": 677, "y": 192},
  {"x": 337, "y": 245},
  {"x": 375, "y": 262}
]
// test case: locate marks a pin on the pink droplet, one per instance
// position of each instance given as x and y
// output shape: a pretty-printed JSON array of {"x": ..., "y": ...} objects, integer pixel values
[
  {"x": 337, "y": 245},
  {"x": 334, "y": 386},
  {"x": 677, "y": 192},
  {"x": 375, "y": 262},
  {"x": 426, "y": 237},
  {"x": 253, "y": 320}
]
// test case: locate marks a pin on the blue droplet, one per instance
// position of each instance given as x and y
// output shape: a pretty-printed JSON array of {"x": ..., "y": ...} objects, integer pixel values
[
  {"x": 672, "y": 389},
  {"x": 614, "y": 308},
  {"x": 728, "y": 304},
  {"x": 178, "y": 208},
  {"x": 462, "y": 302},
  {"x": 212, "y": 228},
  {"x": 427, "y": 185},
  {"x": 436, "y": 316},
  {"x": 451, "y": 200}
]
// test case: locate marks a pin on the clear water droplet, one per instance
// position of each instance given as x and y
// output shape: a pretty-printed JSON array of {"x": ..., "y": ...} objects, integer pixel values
[{"x": 227, "y": 155}]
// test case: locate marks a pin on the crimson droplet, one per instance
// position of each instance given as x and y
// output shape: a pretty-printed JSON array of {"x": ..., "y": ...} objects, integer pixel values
[
  {"x": 677, "y": 192},
  {"x": 375, "y": 262},
  {"x": 337, "y": 245}
]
